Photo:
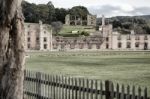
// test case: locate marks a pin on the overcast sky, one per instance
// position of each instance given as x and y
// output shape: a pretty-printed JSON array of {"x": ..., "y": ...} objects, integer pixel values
[{"x": 107, "y": 7}]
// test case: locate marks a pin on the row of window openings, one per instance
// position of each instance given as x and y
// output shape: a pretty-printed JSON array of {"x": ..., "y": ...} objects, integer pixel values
[
  {"x": 80, "y": 47},
  {"x": 90, "y": 47},
  {"x": 37, "y": 39},
  {"x": 30, "y": 33},
  {"x": 45, "y": 46},
  {"x": 98, "y": 47},
  {"x": 72, "y": 47},
  {"x": 129, "y": 38},
  {"x": 137, "y": 38},
  {"x": 129, "y": 45},
  {"x": 45, "y": 39}
]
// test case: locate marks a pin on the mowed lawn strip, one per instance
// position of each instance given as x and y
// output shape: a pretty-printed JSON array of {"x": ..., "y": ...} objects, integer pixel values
[{"x": 124, "y": 68}]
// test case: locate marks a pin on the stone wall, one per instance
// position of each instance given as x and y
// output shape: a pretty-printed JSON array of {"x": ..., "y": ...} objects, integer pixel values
[
  {"x": 39, "y": 37},
  {"x": 131, "y": 42},
  {"x": 78, "y": 43},
  {"x": 90, "y": 20}
]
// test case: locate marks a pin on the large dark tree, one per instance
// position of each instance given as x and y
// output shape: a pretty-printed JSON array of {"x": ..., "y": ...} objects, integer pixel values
[
  {"x": 30, "y": 13},
  {"x": 51, "y": 16},
  {"x": 33, "y": 13},
  {"x": 56, "y": 26},
  {"x": 60, "y": 14},
  {"x": 42, "y": 12},
  {"x": 11, "y": 49},
  {"x": 79, "y": 11}
]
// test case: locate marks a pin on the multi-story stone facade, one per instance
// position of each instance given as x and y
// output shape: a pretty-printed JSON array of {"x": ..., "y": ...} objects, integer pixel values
[
  {"x": 39, "y": 37},
  {"x": 130, "y": 41},
  {"x": 77, "y": 43},
  {"x": 90, "y": 20}
]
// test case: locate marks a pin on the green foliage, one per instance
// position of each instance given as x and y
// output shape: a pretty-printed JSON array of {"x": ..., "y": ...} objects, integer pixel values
[
  {"x": 51, "y": 14},
  {"x": 48, "y": 13},
  {"x": 79, "y": 11},
  {"x": 116, "y": 24},
  {"x": 147, "y": 29},
  {"x": 56, "y": 26},
  {"x": 84, "y": 33},
  {"x": 44, "y": 12},
  {"x": 97, "y": 28},
  {"x": 30, "y": 12},
  {"x": 125, "y": 24},
  {"x": 60, "y": 14}
]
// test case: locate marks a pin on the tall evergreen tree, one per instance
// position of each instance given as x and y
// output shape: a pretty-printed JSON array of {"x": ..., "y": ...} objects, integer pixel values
[{"x": 51, "y": 16}]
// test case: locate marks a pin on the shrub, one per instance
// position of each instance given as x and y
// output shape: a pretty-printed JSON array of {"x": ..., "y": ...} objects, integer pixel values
[{"x": 84, "y": 33}]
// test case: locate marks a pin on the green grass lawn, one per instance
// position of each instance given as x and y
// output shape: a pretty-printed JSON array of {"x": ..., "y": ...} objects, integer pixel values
[
  {"x": 119, "y": 67},
  {"x": 69, "y": 29}
]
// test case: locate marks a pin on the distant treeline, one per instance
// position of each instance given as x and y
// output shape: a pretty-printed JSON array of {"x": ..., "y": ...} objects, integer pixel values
[
  {"x": 48, "y": 13},
  {"x": 124, "y": 24}
]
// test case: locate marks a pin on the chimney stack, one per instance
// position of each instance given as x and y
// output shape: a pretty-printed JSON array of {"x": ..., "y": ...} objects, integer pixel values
[{"x": 103, "y": 20}]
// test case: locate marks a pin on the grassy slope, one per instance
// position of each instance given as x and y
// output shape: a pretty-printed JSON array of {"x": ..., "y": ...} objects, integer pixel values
[
  {"x": 127, "y": 69},
  {"x": 69, "y": 29}
]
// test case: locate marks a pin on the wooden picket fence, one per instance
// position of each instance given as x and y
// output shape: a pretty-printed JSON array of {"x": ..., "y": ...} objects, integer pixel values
[{"x": 43, "y": 86}]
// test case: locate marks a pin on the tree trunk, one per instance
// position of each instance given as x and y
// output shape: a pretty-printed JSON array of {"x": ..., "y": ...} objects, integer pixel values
[{"x": 11, "y": 49}]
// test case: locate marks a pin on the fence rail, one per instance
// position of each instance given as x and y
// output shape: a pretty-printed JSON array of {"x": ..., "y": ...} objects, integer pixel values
[{"x": 43, "y": 86}]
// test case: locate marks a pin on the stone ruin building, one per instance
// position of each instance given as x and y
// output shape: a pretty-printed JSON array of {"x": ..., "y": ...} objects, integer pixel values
[
  {"x": 90, "y": 20},
  {"x": 39, "y": 37}
]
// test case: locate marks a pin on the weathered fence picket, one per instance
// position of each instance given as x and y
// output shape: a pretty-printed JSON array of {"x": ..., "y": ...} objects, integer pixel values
[
  {"x": 42, "y": 86},
  {"x": 117, "y": 92},
  {"x": 83, "y": 90},
  {"x": 101, "y": 90},
  {"x": 96, "y": 88},
  {"x": 72, "y": 88},
  {"x": 122, "y": 92},
  {"x": 111, "y": 91},
  {"x": 133, "y": 92}
]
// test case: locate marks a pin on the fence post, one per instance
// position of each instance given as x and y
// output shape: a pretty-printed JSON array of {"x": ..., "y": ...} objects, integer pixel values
[
  {"x": 128, "y": 92},
  {"x": 38, "y": 85},
  {"x": 122, "y": 92},
  {"x": 112, "y": 90},
  {"x": 139, "y": 93},
  {"x": 107, "y": 89},
  {"x": 101, "y": 90},
  {"x": 145, "y": 93},
  {"x": 133, "y": 92},
  {"x": 117, "y": 92}
]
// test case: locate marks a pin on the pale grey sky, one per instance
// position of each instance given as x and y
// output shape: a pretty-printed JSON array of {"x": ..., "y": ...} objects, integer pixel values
[{"x": 107, "y": 7}]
